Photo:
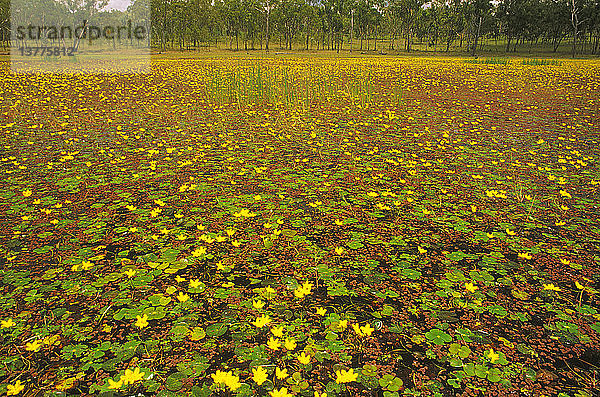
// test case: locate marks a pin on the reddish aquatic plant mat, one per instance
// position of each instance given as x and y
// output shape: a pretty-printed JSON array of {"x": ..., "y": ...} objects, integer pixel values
[{"x": 366, "y": 227}]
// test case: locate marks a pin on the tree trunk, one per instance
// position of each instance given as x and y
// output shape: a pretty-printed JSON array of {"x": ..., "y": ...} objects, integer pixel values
[
  {"x": 267, "y": 30},
  {"x": 375, "y": 38},
  {"x": 477, "y": 36},
  {"x": 575, "y": 24}
]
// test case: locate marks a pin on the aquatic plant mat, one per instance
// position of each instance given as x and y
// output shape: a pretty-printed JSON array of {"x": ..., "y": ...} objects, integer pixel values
[{"x": 339, "y": 227}]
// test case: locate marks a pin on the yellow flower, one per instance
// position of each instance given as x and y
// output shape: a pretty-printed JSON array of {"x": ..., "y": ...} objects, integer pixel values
[
  {"x": 261, "y": 321},
  {"x": 564, "y": 193},
  {"x": 7, "y": 323},
  {"x": 199, "y": 251},
  {"x": 27, "y": 193},
  {"x": 244, "y": 213},
  {"x": 13, "y": 390},
  {"x": 179, "y": 279},
  {"x": 281, "y": 373},
  {"x": 259, "y": 375},
  {"x": 321, "y": 311},
  {"x": 471, "y": 287},
  {"x": 219, "y": 376},
  {"x": 303, "y": 290},
  {"x": 339, "y": 250},
  {"x": 338, "y": 222},
  {"x": 290, "y": 344},
  {"x": 195, "y": 283},
  {"x": 280, "y": 393},
  {"x": 307, "y": 287},
  {"x": 421, "y": 250},
  {"x": 317, "y": 394},
  {"x": 473, "y": 208},
  {"x": 525, "y": 256},
  {"x": 356, "y": 328},
  {"x": 303, "y": 358},
  {"x": 342, "y": 324},
  {"x": 551, "y": 287},
  {"x": 236, "y": 243},
  {"x": 114, "y": 385},
  {"x": 130, "y": 273},
  {"x": 130, "y": 377},
  {"x": 232, "y": 381},
  {"x": 277, "y": 331},
  {"x": 345, "y": 376},
  {"x": 258, "y": 304},
  {"x": 182, "y": 297},
  {"x": 154, "y": 213},
  {"x": 33, "y": 346},
  {"x": 141, "y": 321},
  {"x": 510, "y": 232},
  {"x": 86, "y": 265},
  {"x": 273, "y": 343},
  {"x": 367, "y": 329},
  {"x": 492, "y": 355}
]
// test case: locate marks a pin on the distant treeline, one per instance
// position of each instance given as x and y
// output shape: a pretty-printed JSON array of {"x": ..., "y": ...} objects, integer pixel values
[{"x": 369, "y": 25}]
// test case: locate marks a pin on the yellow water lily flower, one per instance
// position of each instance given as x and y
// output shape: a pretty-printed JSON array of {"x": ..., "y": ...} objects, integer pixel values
[
  {"x": 281, "y": 373},
  {"x": 343, "y": 376},
  {"x": 258, "y": 304},
  {"x": 182, "y": 297},
  {"x": 280, "y": 393},
  {"x": 33, "y": 346},
  {"x": 273, "y": 343},
  {"x": 262, "y": 321},
  {"x": 259, "y": 375},
  {"x": 303, "y": 358},
  {"x": 290, "y": 344},
  {"x": 277, "y": 331},
  {"x": 13, "y": 390},
  {"x": 551, "y": 287},
  {"x": 492, "y": 355},
  {"x": 141, "y": 321},
  {"x": 195, "y": 283}
]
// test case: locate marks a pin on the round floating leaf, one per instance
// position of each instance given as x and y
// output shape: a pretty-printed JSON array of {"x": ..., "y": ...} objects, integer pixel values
[
  {"x": 179, "y": 332},
  {"x": 159, "y": 300},
  {"x": 438, "y": 336},
  {"x": 198, "y": 333},
  {"x": 174, "y": 381},
  {"x": 216, "y": 330},
  {"x": 411, "y": 273}
]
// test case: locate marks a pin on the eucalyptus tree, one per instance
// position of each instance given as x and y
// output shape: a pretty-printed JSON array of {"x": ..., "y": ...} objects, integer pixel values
[
  {"x": 5, "y": 23},
  {"x": 289, "y": 16},
  {"x": 409, "y": 12}
]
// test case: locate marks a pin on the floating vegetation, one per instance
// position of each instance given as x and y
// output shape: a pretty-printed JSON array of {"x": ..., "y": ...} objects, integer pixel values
[{"x": 327, "y": 227}]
